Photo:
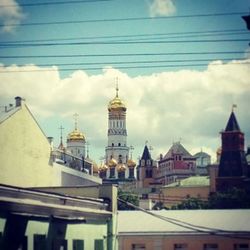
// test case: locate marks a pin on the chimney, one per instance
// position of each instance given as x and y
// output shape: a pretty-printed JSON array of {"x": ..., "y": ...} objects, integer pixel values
[
  {"x": 18, "y": 101},
  {"x": 50, "y": 139}
]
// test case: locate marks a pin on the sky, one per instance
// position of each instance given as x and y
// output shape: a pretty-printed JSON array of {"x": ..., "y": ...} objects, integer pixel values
[{"x": 180, "y": 65}]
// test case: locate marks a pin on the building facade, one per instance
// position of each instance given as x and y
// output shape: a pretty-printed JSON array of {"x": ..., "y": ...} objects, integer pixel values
[
  {"x": 184, "y": 230},
  {"x": 61, "y": 218},
  {"x": 175, "y": 165}
]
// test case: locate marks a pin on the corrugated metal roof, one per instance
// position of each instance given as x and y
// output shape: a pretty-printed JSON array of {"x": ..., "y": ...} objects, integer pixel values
[{"x": 139, "y": 222}]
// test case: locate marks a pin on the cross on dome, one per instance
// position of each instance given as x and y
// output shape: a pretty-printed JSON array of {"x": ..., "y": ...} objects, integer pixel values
[{"x": 75, "y": 117}]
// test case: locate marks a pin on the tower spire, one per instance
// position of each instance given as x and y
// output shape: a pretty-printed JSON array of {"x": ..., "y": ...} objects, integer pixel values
[
  {"x": 61, "y": 137},
  {"x": 75, "y": 117},
  {"x": 131, "y": 152},
  {"x": 117, "y": 88}
]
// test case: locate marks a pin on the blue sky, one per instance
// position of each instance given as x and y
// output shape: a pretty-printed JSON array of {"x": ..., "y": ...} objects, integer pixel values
[{"x": 195, "y": 111}]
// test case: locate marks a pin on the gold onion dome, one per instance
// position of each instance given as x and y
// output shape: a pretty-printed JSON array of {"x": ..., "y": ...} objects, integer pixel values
[
  {"x": 76, "y": 135},
  {"x": 116, "y": 104},
  {"x": 121, "y": 167},
  {"x": 112, "y": 163},
  {"x": 103, "y": 168},
  {"x": 131, "y": 163},
  {"x": 95, "y": 168}
]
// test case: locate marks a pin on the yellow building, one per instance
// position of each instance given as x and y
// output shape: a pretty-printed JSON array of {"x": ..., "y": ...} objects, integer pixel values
[{"x": 26, "y": 154}]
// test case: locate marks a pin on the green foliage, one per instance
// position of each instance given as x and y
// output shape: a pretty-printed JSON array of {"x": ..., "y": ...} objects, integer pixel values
[
  {"x": 191, "y": 203},
  {"x": 159, "y": 206},
  {"x": 230, "y": 199},
  {"x": 128, "y": 197}
]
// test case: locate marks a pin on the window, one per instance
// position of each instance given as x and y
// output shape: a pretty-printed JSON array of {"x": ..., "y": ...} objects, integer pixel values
[
  {"x": 121, "y": 175},
  {"x": 119, "y": 144},
  {"x": 131, "y": 173},
  {"x": 112, "y": 173},
  {"x": 23, "y": 244},
  {"x": 120, "y": 158},
  {"x": 39, "y": 242},
  {"x": 60, "y": 244},
  {"x": 180, "y": 246},
  {"x": 99, "y": 245},
  {"x": 149, "y": 173},
  {"x": 138, "y": 247},
  {"x": 78, "y": 245},
  {"x": 210, "y": 246},
  {"x": 241, "y": 246}
]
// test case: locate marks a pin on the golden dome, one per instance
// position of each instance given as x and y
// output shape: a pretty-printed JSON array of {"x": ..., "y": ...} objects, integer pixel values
[
  {"x": 116, "y": 103},
  {"x": 76, "y": 135},
  {"x": 103, "y": 167},
  {"x": 112, "y": 163},
  {"x": 131, "y": 163},
  {"x": 121, "y": 167}
]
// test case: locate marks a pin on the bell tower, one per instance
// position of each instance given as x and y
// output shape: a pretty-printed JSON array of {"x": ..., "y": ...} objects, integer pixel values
[
  {"x": 117, "y": 133},
  {"x": 233, "y": 165}
]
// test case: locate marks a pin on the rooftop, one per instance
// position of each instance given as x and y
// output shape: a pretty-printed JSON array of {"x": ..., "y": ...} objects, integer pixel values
[
  {"x": 193, "y": 181},
  {"x": 183, "y": 222},
  {"x": 177, "y": 149}
]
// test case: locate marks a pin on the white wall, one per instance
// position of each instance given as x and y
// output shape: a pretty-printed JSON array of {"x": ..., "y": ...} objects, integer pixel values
[{"x": 25, "y": 155}]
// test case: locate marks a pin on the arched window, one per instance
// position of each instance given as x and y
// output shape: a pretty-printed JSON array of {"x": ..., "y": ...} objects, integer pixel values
[{"x": 120, "y": 159}]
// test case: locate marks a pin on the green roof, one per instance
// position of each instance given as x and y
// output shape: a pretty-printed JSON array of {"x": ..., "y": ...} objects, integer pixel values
[{"x": 193, "y": 181}]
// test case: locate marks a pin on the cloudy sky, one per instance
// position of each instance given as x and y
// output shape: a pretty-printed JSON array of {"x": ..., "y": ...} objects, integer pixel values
[{"x": 180, "y": 64}]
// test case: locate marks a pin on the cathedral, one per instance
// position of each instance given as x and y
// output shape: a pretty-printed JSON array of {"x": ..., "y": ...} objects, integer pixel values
[
  {"x": 74, "y": 154},
  {"x": 117, "y": 165}
]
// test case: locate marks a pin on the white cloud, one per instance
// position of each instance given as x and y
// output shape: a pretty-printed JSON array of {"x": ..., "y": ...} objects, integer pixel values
[
  {"x": 10, "y": 13},
  {"x": 161, "y": 8},
  {"x": 161, "y": 108}
]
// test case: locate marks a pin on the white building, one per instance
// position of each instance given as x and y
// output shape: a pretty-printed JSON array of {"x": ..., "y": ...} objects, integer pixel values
[{"x": 118, "y": 165}]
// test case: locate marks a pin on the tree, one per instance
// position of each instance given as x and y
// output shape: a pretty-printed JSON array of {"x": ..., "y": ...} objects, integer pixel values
[
  {"x": 230, "y": 199},
  {"x": 191, "y": 203},
  {"x": 127, "y": 197}
]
